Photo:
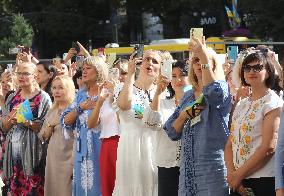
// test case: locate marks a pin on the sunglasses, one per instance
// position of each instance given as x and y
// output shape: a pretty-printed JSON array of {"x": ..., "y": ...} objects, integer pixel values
[{"x": 255, "y": 68}]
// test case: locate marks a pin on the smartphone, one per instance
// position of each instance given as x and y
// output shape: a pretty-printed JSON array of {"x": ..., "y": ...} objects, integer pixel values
[
  {"x": 76, "y": 46},
  {"x": 138, "y": 50},
  {"x": 79, "y": 60},
  {"x": 232, "y": 52},
  {"x": 114, "y": 74},
  {"x": 166, "y": 68},
  {"x": 15, "y": 50},
  {"x": 197, "y": 33}
]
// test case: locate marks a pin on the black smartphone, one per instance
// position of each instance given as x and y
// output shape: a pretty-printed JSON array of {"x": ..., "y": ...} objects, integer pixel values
[
  {"x": 76, "y": 46},
  {"x": 138, "y": 50}
]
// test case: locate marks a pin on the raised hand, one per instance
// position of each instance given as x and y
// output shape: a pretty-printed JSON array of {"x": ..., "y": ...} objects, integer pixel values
[
  {"x": 200, "y": 50},
  {"x": 83, "y": 51},
  {"x": 162, "y": 83},
  {"x": 132, "y": 63}
]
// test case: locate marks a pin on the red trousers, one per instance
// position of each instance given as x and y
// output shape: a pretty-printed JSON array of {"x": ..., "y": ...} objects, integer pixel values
[{"x": 108, "y": 158}]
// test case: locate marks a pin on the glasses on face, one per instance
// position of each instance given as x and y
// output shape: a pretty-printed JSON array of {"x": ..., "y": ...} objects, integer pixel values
[
  {"x": 255, "y": 68},
  {"x": 24, "y": 74},
  {"x": 148, "y": 59}
]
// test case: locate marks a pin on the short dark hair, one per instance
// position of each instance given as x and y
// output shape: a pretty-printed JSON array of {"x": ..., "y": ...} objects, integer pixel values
[{"x": 261, "y": 57}]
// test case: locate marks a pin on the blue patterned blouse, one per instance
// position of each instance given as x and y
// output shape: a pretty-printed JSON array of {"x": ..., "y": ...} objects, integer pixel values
[
  {"x": 86, "y": 177},
  {"x": 202, "y": 169}
]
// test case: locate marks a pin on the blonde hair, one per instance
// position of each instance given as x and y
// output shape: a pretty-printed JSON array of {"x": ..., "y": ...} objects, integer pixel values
[
  {"x": 166, "y": 55},
  {"x": 69, "y": 88},
  {"x": 100, "y": 65},
  {"x": 217, "y": 69},
  {"x": 35, "y": 85}
]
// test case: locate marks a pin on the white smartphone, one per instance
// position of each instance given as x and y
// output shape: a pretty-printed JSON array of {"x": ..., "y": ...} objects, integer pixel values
[
  {"x": 197, "y": 33},
  {"x": 15, "y": 50},
  {"x": 114, "y": 74},
  {"x": 166, "y": 68}
]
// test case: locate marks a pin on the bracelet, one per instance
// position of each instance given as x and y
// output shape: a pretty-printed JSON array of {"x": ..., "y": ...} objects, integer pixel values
[{"x": 205, "y": 66}]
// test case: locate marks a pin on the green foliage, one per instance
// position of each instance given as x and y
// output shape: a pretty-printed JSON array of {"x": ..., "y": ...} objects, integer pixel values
[{"x": 20, "y": 33}]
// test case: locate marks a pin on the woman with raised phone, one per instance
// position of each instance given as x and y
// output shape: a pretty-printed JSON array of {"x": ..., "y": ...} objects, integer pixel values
[
  {"x": 135, "y": 168},
  {"x": 200, "y": 123}
]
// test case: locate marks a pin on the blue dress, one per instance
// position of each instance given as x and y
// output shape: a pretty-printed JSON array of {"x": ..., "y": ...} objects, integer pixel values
[
  {"x": 86, "y": 176},
  {"x": 202, "y": 169}
]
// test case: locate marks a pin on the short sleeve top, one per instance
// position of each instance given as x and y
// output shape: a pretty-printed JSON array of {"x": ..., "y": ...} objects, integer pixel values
[{"x": 246, "y": 130}]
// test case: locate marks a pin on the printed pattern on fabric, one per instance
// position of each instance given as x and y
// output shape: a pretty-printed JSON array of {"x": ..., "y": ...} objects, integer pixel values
[
  {"x": 189, "y": 164},
  {"x": 87, "y": 169},
  {"x": 243, "y": 124}
]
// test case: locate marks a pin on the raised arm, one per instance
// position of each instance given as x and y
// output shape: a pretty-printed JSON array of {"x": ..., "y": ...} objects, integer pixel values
[
  {"x": 125, "y": 96},
  {"x": 211, "y": 69}
]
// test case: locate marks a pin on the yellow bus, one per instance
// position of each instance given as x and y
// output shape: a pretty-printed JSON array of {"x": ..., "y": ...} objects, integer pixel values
[{"x": 179, "y": 47}]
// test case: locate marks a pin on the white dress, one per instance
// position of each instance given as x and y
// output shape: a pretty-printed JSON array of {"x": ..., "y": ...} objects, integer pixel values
[{"x": 136, "y": 172}]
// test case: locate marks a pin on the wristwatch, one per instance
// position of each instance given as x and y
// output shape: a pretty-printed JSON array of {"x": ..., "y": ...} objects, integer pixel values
[{"x": 205, "y": 66}]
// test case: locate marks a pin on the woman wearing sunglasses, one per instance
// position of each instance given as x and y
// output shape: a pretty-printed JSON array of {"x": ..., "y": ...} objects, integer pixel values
[{"x": 249, "y": 152}]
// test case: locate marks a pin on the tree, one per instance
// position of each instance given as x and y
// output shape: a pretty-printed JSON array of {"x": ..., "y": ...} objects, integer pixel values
[{"x": 20, "y": 33}]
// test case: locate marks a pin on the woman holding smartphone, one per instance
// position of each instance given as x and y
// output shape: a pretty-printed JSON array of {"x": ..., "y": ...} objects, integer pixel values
[
  {"x": 199, "y": 123},
  {"x": 168, "y": 151},
  {"x": 135, "y": 171}
]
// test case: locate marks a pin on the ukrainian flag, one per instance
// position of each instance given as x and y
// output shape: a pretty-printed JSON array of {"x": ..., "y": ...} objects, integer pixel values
[
  {"x": 24, "y": 112},
  {"x": 229, "y": 13}
]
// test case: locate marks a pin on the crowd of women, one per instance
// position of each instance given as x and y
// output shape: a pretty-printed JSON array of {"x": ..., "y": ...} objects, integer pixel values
[{"x": 210, "y": 129}]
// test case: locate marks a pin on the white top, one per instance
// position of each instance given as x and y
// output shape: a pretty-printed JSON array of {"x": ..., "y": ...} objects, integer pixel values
[
  {"x": 246, "y": 130},
  {"x": 168, "y": 151},
  {"x": 108, "y": 121},
  {"x": 136, "y": 171}
]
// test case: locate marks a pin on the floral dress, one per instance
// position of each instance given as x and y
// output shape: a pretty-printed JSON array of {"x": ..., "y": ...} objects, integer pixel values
[
  {"x": 24, "y": 159},
  {"x": 86, "y": 176}
]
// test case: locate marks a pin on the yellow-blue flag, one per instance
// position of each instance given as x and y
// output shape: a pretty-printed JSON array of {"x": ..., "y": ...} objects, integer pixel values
[
  {"x": 24, "y": 112},
  {"x": 229, "y": 13}
]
